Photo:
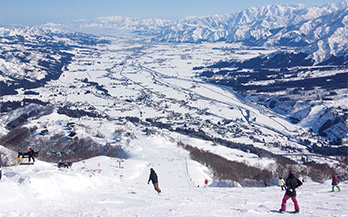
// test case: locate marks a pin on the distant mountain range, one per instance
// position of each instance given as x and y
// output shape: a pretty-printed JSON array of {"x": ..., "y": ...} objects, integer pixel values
[{"x": 321, "y": 32}]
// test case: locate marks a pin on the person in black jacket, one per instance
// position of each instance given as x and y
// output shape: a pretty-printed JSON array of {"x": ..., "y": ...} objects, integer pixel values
[
  {"x": 153, "y": 177},
  {"x": 291, "y": 184},
  {"x": 31, "y": 154}
]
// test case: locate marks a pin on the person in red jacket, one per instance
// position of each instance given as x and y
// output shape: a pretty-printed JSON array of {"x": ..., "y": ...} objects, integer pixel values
[
  {"x": 206, "y": 182},
  {"x": 291, "y": 184},
  {"x": 335, "y": 182}
]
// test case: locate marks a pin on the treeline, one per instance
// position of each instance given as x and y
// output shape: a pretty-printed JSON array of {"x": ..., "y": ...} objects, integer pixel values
[
  {"x": 76, "y": 149},
  {"x": 248, "y": 175}
]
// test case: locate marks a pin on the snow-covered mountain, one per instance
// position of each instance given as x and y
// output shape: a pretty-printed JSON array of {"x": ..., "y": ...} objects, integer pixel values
[
  {"x": 323, "y": 31},
  {"x": 320, "y": 31},
  {"x": 29, "y": 56},
  {"x": 328, "y": 36},
  {"x": 127, "y": 23},
  {"x": 253, "y": 25},
  {"x": 115, "y": 25}
]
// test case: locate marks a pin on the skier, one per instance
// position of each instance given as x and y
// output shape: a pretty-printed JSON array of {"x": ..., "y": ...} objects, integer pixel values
[
  {"x": 291, "y": 184},
  {"x": 281, "y": 183},
  {"x": 335, "y": 182},
  {"x": 153, "y": 177},
  {"x": 31, "y": 154}
]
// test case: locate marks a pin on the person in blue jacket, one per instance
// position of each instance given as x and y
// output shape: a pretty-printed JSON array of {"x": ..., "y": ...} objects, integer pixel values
[{"x": 153, "y": 177}]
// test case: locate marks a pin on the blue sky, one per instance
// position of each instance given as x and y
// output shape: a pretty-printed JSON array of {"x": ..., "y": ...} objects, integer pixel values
[{"x": 35, "y": 12}]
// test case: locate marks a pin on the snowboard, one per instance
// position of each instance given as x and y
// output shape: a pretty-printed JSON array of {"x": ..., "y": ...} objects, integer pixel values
[
  {"x": 26, "y": 163},
  {"x": 278, "y": 211}
]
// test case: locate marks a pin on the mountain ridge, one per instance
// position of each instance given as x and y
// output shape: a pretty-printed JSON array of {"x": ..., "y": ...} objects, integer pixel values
[{"x": 314, "y": 30}]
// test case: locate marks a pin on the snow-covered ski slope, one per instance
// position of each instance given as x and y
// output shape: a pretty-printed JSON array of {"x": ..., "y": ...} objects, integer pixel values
[{"x": 43, "y": 189}]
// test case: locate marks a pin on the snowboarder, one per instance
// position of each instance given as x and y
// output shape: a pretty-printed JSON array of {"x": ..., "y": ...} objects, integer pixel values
[
  {"x": 281, "y": 183},
  {"x": 291, "y": 184},
  {"x": 335, "y": 182},
  {"x": 31, "y": 154},
  {"x": 153, "y": 177}
]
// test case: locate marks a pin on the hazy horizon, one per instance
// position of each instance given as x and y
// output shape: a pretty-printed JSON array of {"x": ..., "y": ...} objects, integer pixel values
[{"x": 37, "y": 12}]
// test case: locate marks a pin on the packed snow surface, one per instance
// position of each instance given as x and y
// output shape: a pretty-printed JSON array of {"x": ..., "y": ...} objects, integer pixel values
[{"x": 104, "y": 186}]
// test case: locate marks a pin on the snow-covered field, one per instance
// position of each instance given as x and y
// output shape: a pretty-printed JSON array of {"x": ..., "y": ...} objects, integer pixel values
[{"x": 43, "y": 189}]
